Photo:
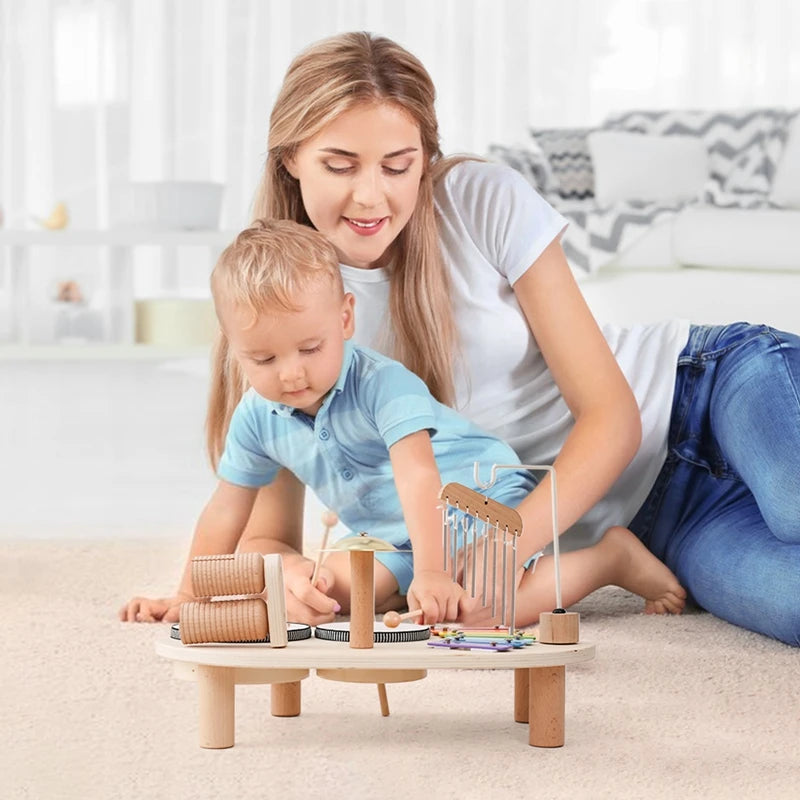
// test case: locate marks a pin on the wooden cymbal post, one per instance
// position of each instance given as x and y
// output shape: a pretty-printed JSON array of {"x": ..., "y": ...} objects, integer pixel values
[{"x": 362, "y": 598}]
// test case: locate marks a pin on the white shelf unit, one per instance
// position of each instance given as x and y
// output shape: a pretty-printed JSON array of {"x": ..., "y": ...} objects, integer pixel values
[{"x": 115, "y": 279}]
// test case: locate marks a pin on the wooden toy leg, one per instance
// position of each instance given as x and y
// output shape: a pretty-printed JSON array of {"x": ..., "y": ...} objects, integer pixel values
[
  {"x": 285, "y": 699},
  {"x": 522, "y": 681},
  {"x": 546, "y": 703},
  {"x": 216, "y": 691}
]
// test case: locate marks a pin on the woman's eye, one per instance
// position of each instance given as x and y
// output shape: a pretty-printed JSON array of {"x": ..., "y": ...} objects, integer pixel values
[
  {"x": 338, "y": 169},
  {"x": 263, "y": 361},
  {"x": 395, "y": 171}
]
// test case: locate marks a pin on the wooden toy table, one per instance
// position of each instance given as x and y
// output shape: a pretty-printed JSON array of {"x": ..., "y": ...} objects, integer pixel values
[{"x": 539, "y": 675}]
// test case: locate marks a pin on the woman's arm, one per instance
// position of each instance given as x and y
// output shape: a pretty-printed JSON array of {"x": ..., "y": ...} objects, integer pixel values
[
  {"x": 217, "y": 531},
  {"x": 219, "y": 526},
  {"x": 607, "y": 429}
]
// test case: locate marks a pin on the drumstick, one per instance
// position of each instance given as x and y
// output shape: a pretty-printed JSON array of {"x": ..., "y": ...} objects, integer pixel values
[
  {"x": 391, "y": 619},
  {"x": 329, "y": 519}
]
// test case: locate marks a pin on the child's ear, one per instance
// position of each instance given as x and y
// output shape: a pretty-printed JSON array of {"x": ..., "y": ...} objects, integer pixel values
[{"x": 348, "y": 315}]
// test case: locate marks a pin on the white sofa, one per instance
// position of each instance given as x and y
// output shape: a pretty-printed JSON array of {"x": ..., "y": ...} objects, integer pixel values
[
  {"x": 708, "y": 265},
  {"x": 701, "y": 252}
]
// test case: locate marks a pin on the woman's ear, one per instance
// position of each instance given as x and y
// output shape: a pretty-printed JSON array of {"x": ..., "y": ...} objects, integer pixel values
[
  {"x": 348, "y": 315},
  {"x": 289, "y": 164}
]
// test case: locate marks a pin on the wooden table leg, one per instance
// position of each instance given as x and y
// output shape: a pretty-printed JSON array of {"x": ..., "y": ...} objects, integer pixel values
[
  {"x": 521, "y": 694},
  {"x": 216, "y": 690},
  {"x": 546, "y": 706},
  {"x": 285, "y": 699}
]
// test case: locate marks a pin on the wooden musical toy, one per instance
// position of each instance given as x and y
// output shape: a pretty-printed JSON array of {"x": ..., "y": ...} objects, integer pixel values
[
  {"x": 362, "y": 632},
  {"x": 258, "y": 614},
  {"x": 476, "y": 530}
]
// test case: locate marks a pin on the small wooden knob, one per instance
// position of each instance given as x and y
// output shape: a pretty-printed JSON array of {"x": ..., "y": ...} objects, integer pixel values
[
  {"x": 391, "y": 619},
  {"x": 329, "y": 518}
]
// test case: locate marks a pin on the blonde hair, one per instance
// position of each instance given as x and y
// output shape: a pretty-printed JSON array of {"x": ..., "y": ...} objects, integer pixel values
[
  {"x": 266, "y": 268},
  {"x": 324, "y": 81},
  {"x": 270, "y": 264}
]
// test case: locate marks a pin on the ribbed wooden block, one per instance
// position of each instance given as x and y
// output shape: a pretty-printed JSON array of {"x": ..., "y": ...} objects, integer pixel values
[
  {"x": 224, "y": 621},
  {"x": 232, "y": 573}
]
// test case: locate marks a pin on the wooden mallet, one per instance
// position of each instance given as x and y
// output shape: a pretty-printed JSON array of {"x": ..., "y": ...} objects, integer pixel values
[
  {"x": 329, "y": 520},
  {"x": 391, "y": 619}
]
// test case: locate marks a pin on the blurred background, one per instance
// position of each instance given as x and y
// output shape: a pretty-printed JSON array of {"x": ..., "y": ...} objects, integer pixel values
[
  {"x": 96, "y": 93},
  {"x": 132, "y": 136}
]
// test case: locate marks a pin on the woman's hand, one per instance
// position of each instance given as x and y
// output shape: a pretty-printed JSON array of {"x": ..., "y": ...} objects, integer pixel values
[
  {"x": 158, "y": 609},
  {"x": 436, "y": 594}
]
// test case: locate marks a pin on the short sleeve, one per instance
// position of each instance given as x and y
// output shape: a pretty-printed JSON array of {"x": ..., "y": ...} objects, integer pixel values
[
  {"x": 244, "y": 461},
  {"x": 507, "y": 219},
  {"x": 399, "y": 403}
]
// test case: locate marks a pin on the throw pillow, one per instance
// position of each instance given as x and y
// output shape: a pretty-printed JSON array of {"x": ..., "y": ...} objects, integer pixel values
[
  {"x": 530, "y": 161},
  {"x": 786, "y": 185},
  {"x": 742, "y": 144},
  {"x": 567, "y": 151},
  {"x": 634, "y": 166}
]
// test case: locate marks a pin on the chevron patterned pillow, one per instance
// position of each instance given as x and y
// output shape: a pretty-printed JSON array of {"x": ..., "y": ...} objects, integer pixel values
[{"x": 567, "y": 151}]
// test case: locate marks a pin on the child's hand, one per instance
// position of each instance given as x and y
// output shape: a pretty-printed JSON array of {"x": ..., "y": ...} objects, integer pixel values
[
  {"x": 474, "y": 614},
  {"x": 306, "y": 603},
  {"x": 145, "y": 609},
  {"x": 435, "y": 592}
]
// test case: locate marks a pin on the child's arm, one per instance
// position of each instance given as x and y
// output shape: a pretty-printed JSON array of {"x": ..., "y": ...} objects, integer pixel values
[{"x": 418, "y": 484}]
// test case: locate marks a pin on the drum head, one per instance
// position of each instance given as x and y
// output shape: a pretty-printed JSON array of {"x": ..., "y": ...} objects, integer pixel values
[{"x": 404, "y": 632}]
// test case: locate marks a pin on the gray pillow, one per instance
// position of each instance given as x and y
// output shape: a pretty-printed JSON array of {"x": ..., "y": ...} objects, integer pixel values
[
  {"x": 567, "y": 151},
  {"x": 530, "y": 161}
]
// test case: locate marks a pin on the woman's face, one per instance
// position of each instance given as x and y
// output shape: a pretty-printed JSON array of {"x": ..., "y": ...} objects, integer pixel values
[{"x": 359, "y": 179}]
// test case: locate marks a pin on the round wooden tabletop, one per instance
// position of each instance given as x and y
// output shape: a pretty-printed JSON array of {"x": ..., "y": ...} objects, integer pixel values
[{"x": 315, "y": 653}]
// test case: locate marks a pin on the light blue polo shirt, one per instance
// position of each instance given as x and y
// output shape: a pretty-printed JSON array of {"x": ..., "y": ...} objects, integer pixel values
[{"x": 343, "y": 452}]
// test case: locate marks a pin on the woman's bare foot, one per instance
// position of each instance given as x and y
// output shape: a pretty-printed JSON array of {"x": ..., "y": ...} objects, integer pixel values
[{"x": 640, "y": 572}]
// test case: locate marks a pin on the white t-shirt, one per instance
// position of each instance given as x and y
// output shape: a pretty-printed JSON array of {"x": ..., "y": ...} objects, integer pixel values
[{"x": 493, "y": 228}]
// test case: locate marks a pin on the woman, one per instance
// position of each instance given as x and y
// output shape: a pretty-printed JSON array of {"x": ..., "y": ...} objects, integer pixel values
[{"x": 689, "y": 435}]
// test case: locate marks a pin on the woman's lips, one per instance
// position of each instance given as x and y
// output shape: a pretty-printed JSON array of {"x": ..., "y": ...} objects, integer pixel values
[{"x": 366, "y": 227}]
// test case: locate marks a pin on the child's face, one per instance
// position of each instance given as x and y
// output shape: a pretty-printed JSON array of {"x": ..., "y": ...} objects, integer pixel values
[
  {"x": 294, "y": 357},
  {"x": 359, "y": 179}
]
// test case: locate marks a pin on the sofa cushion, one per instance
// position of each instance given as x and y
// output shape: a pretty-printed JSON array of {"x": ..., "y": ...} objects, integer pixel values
[
  {"x": 762, "y": 239},
  {"x": 786, "y": 184},
  {"x": 567, "y": 150},
  {"x": 634, "y": 166},
  {"x": 743, "y": 145}
]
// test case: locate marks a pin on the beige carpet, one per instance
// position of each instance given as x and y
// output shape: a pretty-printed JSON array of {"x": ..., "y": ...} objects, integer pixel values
[{"x": 683, "y": 707}]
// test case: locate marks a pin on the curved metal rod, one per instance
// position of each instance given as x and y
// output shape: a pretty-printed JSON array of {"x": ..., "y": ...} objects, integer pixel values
[{"x": 553, "y": 506}]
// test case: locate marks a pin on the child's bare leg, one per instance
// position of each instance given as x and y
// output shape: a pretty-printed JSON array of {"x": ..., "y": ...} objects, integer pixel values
[
  {"x": 387, "y": 597},
  {"x": 618, "y": 559}
]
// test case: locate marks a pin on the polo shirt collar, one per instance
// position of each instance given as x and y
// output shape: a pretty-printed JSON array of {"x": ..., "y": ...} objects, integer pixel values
[{"x": 282, "y": 410}]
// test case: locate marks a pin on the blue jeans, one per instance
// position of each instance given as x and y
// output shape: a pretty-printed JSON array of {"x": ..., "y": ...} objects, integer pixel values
[{"x": 724, "y": 513}]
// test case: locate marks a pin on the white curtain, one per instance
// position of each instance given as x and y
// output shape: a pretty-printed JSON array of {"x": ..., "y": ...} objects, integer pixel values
[{"x": 96, "y": 92}]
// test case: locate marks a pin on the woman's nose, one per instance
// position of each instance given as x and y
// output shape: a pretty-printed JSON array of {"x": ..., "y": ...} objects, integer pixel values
[{"x": 367, "y": 191}]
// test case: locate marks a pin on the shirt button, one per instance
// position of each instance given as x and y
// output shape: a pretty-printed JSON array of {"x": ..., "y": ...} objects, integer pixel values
[
  {"x": 347, "y": 474},
  {"x": 324, "y": 435}
]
